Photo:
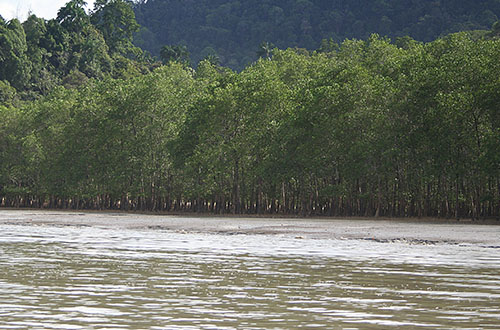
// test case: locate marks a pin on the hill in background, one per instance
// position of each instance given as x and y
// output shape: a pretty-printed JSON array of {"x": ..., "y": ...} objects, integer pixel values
[{"x": 233, "y": 30}]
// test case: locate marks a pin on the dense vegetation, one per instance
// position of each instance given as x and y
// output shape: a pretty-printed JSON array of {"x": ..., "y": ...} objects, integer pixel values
[
  {"x": 38, "y": 55},
  {"x": 234, "y": 29},
  {"x": 370, "y": 128}
]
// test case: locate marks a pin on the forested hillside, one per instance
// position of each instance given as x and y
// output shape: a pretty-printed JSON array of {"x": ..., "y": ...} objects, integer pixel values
[
  {"x": 234, "y": 29},
  {"x": 372, "y": 128}
]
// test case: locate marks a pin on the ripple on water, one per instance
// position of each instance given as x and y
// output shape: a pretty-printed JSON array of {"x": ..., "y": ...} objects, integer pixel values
[{"x": 76, "y": 278}]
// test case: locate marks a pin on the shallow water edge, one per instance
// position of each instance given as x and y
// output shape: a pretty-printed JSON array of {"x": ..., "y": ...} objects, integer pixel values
[{"x": 427, "y": 231}]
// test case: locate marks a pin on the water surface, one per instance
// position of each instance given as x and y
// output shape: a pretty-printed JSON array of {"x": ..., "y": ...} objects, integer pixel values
[{"x": 67, "y": 277}]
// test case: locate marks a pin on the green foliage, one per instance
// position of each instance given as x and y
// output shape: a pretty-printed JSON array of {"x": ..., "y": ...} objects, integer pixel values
[
  {"x": 38, "y": 55},
  {"x": 74, "y": 79},
  {"x": 72, "y": 16},
  {"x": 116, "y": 21},
  {"x": 367, "y": 127},
  {"x": 11, "y": 166},
  {"x": 7, "y": 93},
  {"x": 15, "y": 66},
  {"x": 174, "y": 54},
  {"x": 327, "y": 46}
]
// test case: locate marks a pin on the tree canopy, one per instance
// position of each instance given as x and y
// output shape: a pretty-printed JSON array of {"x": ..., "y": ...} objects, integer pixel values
[
  {"x": 366, "y": 128},
  {"x": 38, "y": 55}
]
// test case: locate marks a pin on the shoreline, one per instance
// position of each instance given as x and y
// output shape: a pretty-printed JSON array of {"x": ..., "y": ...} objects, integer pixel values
[
  {"x": 412, "y": 231},
  {"x": 277, "y": 216}
]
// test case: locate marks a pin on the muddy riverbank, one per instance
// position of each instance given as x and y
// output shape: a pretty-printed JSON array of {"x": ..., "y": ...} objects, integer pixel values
[{"x": 415, "y": 231}]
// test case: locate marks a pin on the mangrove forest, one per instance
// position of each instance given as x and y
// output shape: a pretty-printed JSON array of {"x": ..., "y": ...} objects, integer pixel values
[{"x": 370, "y": 127}]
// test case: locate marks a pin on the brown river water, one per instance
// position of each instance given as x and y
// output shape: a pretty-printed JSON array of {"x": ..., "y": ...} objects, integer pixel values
[{"x": 61, "y": 275}]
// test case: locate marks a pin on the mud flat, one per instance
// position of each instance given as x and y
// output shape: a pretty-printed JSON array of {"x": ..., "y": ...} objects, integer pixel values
[{"x": 416, "y": 231}]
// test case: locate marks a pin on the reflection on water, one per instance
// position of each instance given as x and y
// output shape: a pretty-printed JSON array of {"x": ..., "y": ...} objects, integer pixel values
[{"x": 91, "y": 278}]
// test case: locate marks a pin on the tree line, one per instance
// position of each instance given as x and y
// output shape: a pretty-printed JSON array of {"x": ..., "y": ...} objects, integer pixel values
[{"x": 370, "y": 128}]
